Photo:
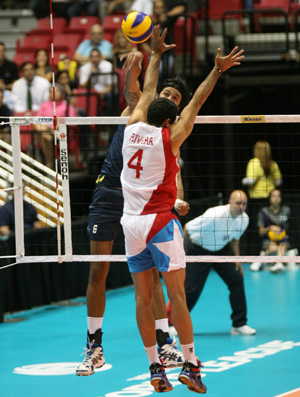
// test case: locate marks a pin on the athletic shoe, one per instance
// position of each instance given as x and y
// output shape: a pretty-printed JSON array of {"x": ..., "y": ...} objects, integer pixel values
[
  {"x": 256, "y": 266},
  {"x": 169, "y": 354},
  {"x": 93, "y": 359},
  {"x": 243, "y": 330},
  {"x": 277, "y": 268},
  {"x": 190, "y": 376},
  {"x": 159, "y": 378}
]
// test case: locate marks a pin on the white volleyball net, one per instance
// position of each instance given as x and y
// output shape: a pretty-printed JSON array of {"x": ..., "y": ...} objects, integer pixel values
[{"x": 214, "y": 162}]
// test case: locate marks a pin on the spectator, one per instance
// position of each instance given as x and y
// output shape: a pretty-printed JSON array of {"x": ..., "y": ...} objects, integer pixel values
[
  {"x": 96, "y": 74},
  {"x": 7, "y": 96},
  {"x": 7, "y": 216},
  {"x": 263, "y": 173},
  {"x": 144, "y": 6},
  {"x": 273, "y": 222},
  {"x": 8, "y": 69},
  {"x": 108, "y": 7},
  {"x": 30, "y": 91},
  {"x": 69, "y": 65},
  {"x": 59, "y": 7},
  {"x": 159, "y": 16},
  {"x": 42, "y": 67},
  {"x": 262, "y": 176},
  {"x": 62, "y": 109},
  {"x": 96, "y": 41},
  {"x": 89, "y": 7},
  {"x": 218, "y": 232},
  {"x": 121, "y": 46},
  {"x": 173, "y": 8},
  {"x": 5, "y": 112},
  {"x": 63, "y": 78}
]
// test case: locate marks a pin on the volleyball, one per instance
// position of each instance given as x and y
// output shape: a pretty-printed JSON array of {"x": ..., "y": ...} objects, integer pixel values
[
  {"x": 137, "y": 27},
  {"x": 277, "y": 236}
]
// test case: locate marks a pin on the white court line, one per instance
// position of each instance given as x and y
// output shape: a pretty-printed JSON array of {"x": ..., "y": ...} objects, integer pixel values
[{"x": 290, "y": 393}]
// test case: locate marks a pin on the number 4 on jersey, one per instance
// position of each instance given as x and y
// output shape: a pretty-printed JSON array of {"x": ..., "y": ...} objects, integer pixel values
[{"x": 135, "y": 162}]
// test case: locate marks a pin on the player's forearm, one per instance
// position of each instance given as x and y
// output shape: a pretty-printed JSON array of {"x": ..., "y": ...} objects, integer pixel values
[
  {"x": 204, "y": 90},
  {"x": 152, "y": 73},
  {"x": 132, "y": 87}
]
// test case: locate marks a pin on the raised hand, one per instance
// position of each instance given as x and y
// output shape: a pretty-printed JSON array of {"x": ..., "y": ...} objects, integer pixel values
[
  {"x": 233, "y": 59},
  {"x": 157, "y": 41},
  {"x": 133, "y": 58}
]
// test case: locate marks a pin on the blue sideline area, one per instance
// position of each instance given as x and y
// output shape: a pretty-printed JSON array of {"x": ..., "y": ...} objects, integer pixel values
[{"x": 39, "y": 354}]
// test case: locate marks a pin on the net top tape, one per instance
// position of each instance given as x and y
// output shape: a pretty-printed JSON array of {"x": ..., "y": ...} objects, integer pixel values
[{"x": 246, "y": 119}]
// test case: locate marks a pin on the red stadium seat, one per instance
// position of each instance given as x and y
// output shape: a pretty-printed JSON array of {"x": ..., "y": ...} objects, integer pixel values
[
  {"x": 67, "y": 42},
  {"x": 217, "y": 7},
  {"x": 190, "y": 24},
  {"x": 121, "y": 83},
  {"x": 33, "y": 43},
  {"x": 43, "y": 26},
  {"x": 21, "y": 57},
  {"x": 88, "y": 100},
  {"x": 81, "y": 24},
  {"x": 285, "y": 4},
  {"x": 270, "y": 4},
  {"x": 26, "y": 131},
  {"x": 111, "y": 23}
]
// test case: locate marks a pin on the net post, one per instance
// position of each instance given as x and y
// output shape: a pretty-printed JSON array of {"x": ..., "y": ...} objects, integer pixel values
[
  {"x": 64, "y": 169},
  {"x": 18, "y": 193}
]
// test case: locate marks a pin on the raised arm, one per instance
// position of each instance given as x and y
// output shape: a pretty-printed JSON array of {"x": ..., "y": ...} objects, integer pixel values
[
  {"x": 132, "y": 68},
  {"x": 151, "y": 77},
  {"x": 183, "y": 127}
]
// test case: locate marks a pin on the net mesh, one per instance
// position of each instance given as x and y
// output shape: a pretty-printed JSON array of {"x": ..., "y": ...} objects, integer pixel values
[{"x": 213, "y": 159}]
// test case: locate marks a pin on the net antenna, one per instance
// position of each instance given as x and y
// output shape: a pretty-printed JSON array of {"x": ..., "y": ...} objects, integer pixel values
[{"x": 64, "y": 155}]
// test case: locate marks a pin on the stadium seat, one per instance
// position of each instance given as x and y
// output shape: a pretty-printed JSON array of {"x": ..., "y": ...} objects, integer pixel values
[
  {"x": 285, "y": 4},
  {"x": 20, "y": 57},
  {"x": 43, "y": 26},
  {"x": 66, "y": 42},
  {"x": 33, "y": 43},
  {"x": 81, "y": 24},
  {"x": 88, "y": 100},
  {"x": 217, "y": 7},
  {"x": 111, "y": 23},
  {"x": 26, "y": 131},
  {"x": 190, "y": 24},
  {"x": 270, "y": 21},
  {"x": 121, "y": 83}
]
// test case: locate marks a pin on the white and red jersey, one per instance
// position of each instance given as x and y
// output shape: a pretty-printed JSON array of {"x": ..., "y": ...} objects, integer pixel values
[{"x": 149, "y": 170}]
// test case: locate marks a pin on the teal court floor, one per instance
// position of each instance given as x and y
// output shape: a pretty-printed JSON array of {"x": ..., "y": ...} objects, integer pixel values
[{"x": 38, "y": 355}]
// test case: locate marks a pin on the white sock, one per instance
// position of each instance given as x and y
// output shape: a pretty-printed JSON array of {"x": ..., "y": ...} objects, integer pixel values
[
  {"x": 94, "y": 323},
  {"x": 188, "y": 352},
  {"x": 162, "y": 324},
  {"x": 152, "y": 354}
]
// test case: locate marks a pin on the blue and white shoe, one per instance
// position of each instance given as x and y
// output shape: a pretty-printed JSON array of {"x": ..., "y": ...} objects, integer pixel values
[
  {"x": 169, "y": 354},
  {"x": 159, "y": 378},
  {"x": 190, "y": 376},
  {"x": 93, "y": 359}
]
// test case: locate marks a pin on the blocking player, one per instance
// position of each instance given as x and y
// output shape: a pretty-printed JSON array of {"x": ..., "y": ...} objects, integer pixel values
[
  {"x": 153, "y": 234},
  {"x": 105, "y": 213}
]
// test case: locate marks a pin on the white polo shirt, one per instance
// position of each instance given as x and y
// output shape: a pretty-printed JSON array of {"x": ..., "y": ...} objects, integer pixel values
[{"x": 214, "y": 229}]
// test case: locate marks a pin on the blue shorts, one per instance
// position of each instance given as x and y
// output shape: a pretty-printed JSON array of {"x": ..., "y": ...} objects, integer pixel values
[
  {"x": 162, "y": 249},
  {"x": 105, "y": 213}
]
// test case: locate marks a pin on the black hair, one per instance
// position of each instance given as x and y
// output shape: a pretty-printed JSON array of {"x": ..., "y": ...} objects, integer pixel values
[
  {"x": 27, "y": 63},
  {"x": 60, "y": 72},
  {"x": 161, "y": 109},
  {"x": 181, "y": 85}
]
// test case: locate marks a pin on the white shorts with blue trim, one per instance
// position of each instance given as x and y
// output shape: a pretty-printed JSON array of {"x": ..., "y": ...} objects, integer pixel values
[{"x": 164, "y": 250}]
